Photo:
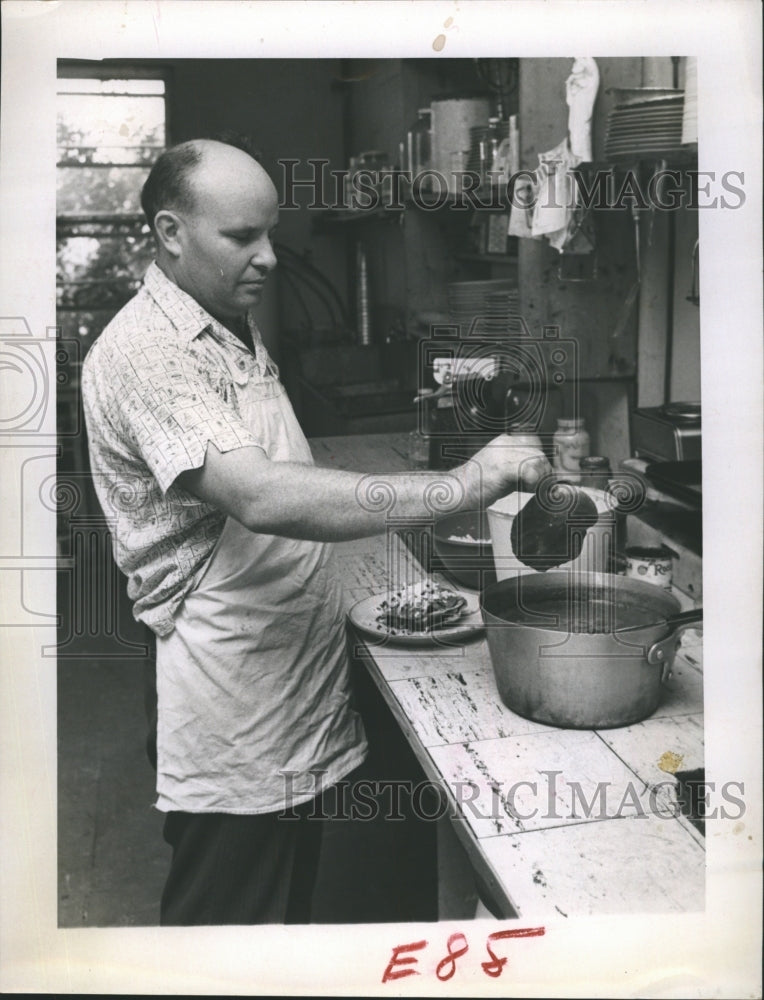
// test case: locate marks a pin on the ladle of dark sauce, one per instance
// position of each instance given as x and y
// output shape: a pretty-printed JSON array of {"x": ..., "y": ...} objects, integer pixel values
[{"x": 550, "y": 529}]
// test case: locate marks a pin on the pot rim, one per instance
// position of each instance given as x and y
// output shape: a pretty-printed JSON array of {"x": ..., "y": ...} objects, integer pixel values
[{"x": 586, "y": 580}]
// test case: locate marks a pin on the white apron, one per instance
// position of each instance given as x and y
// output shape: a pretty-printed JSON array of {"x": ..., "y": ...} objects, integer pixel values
[{"x": 252, "y": 684}]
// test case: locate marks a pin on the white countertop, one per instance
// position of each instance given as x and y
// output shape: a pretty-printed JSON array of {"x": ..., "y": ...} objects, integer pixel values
[{"x": 519, "y": 791}]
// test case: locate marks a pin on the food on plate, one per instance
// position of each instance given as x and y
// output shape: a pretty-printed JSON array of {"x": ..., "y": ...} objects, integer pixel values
[
  {"x": 421, "y": 607},
  {"x": 469, "y": 538}
]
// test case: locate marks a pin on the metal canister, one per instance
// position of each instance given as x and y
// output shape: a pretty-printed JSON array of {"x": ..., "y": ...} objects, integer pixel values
[
  {"x": 595, "y": 472},
  {"x": 651, "y": 564},
  {"x": 452, "y": 119}
]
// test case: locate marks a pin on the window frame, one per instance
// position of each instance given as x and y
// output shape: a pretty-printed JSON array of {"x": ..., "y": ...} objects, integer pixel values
[{"x": 126, "y": 221}]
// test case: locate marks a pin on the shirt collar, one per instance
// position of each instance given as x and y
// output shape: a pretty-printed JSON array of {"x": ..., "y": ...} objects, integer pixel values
[{"x": 187, "y": 316}]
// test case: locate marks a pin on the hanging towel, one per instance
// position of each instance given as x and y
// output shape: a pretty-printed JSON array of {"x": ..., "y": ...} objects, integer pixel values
[
  {"x": 580, "y": 93},
  {"x": 548, "y": 206},
  {"x": 555, "y": 194}
]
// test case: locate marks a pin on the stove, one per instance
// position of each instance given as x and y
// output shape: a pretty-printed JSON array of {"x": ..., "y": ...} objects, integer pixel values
[{"x": 669, "y": 433}]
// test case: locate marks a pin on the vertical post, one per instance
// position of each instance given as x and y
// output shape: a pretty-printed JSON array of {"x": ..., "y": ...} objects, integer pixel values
[{"x": 670, "y": 269}]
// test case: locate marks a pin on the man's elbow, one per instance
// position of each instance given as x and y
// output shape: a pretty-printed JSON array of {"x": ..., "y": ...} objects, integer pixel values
[
  {"x": 258, "y": 524},
  {"x": 265, "y": 511},
  {"x": 257, "y": 514}
]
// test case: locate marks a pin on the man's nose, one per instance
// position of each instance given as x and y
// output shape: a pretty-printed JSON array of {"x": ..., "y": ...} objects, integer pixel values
[{"x": 264, "y": 256}]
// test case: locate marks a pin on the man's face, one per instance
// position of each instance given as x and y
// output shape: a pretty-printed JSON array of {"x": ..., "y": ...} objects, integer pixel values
[{"x": 225, "y": 240}]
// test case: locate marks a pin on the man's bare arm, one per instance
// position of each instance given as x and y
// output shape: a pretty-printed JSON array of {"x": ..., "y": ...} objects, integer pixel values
[{"x": 305, "y": 501}]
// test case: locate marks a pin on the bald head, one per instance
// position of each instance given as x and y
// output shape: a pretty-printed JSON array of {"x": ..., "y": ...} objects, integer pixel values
[
  {"x": 213, "y": 210},
  {"x": 226, "y": 178},
  {"x": 185, "y": 172}
]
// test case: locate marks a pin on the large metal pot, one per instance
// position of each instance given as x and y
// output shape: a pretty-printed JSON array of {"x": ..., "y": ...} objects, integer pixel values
[{"x": 582, "y": 650}]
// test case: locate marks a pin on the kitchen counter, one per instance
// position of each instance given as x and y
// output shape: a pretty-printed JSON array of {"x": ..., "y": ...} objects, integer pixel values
[{"x": 553, "y": 822}]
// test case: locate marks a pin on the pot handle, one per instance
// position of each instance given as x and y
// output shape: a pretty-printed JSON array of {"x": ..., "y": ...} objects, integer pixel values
[{"x": 662, "y": 651}]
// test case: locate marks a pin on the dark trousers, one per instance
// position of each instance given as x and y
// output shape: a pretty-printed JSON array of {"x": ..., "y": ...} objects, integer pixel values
[{"x": 233, "y": 869}]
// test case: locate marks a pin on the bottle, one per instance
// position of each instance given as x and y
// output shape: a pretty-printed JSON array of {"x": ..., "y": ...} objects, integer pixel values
[
  {"x": 595, "y": 472},
  {"x": 363, "y": 317},
  {"x": 501, "y": 169},
  {"x": 571, "y": 444},
  {"x": 514, "y": 146},
  {"x": 419, "y": 143},
  {"x": 489, "y": 153},
  {"x": 403, "y": 156}
]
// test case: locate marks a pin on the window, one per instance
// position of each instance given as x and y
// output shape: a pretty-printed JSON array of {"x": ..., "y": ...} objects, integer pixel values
[
  {"x": 109, "y": 132},
  {"x": 110, "y": 129}
]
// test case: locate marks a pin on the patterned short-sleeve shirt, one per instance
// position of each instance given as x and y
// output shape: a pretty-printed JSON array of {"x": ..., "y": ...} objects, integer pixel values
[{"x": 159, "y": 385}]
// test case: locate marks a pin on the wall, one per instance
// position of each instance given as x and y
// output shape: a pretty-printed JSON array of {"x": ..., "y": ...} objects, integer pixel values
[
  {"x": 590, "y": 312},
  {"x": 668, "y": 362},
  {"x": 292, "y": 109},
  {"x": 669, "y": 325},
  {"x": 685, "y": 353},
  {"x": 665, "y": 325}
]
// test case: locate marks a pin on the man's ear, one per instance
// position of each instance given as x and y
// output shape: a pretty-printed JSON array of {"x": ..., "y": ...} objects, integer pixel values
[{"x": 168, "y": 226}]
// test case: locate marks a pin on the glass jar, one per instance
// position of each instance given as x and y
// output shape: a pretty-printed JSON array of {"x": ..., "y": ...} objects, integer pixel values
[{"x": 571, "y": 444}]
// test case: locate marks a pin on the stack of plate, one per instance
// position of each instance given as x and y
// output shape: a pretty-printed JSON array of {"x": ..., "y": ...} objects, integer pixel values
[
  {"x": 502, "y": 313},
  {"x": 645, "y": 121},
  {"x": 690, "y": 120},
  {"x": 485, "y": 307}
]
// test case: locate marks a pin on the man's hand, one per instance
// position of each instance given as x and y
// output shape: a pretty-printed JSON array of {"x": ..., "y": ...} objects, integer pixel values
[{"x": 505, "y": 466}]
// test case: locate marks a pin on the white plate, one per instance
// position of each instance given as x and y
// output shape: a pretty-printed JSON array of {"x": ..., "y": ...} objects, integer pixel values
[{"x": 364, "y": 616}]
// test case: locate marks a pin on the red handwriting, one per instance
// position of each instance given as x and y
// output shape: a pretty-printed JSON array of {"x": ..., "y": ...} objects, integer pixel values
[
  {"x": 449, "y": 962},
  {"x": 496, "y": 965},
  {"x": 391, "y": 972},
  {"x": 457, "y": 946}
]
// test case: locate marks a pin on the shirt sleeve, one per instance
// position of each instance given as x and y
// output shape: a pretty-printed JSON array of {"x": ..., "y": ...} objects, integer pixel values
[{"x": 172, "y": 412}]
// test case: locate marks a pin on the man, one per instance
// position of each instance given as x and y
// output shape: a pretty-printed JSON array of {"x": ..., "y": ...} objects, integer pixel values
[{"x": 221, "y": 523}]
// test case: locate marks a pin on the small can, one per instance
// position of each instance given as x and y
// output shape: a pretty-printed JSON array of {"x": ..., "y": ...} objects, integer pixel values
[
  {"x": 595, "y": 472},
  {"x": 653, "y": 564}
]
